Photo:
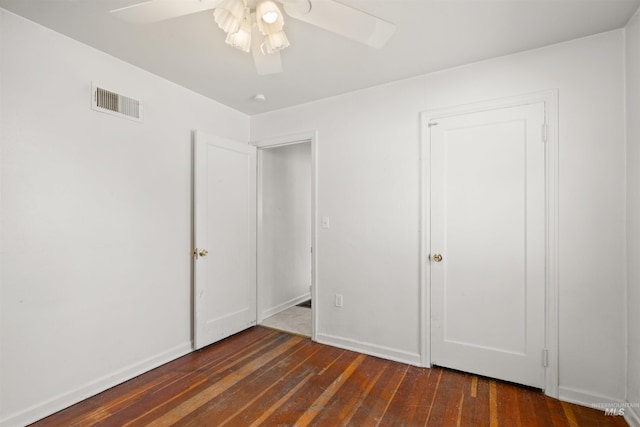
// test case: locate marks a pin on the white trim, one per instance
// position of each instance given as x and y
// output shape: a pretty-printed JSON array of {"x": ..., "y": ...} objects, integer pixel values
[
  {"x": 550, "y": 99},
  {"x": 314, "y": 234},
  {"x": 492, "y": 104},
  {"x": 553, "y": 211},
  {"x": 268, "y": 312},
  {"x": 370, "y": 349},
  {"x": 584, "y": 398},
  {"x": 64, "y": 400},
  {"x": 278, "y": 141},
  {"x": 259, "y": 244},
  {"x": 425, "y": 235},
  {"x": 595, "y": 401},
  {"x": 632, "y": 417},
  {"x": 293, "y": 138}
]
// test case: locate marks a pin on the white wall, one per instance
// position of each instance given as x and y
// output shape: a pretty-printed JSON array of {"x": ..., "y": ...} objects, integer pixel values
[
  {"x": 368, "y": 177},
  {"x": 285, "y": 238},
  {"x": 95, "y": 220},
  {"x": 633, "y": 211}
]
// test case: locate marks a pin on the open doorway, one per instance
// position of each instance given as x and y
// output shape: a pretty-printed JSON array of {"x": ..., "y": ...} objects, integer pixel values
[{"x": 285, "y": 237}]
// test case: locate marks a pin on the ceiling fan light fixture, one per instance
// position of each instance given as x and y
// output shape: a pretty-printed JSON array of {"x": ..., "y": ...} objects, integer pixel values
[
  {"x": 229, "y": 15},
  {"x": 241, "y": 39},
  {"x": 275, "y": 42},
  {"x": 268, "y": 17}
]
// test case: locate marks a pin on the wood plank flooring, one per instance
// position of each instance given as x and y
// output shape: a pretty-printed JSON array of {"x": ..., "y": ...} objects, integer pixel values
[{"x": 262, "y": 377}]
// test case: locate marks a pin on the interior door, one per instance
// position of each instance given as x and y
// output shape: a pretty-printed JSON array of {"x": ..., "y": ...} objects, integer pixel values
[
  {"x": 487, "y": 248},
  {"x": 224, "y": 238}
]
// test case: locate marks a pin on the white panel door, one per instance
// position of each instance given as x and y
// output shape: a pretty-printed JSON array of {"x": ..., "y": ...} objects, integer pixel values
[
  {"x": 225, "y": 227},
  {"x": 488, "y": 225}
]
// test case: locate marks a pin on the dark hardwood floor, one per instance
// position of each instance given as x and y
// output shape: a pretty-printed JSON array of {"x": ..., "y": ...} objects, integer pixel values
[{"x": 264, "y": 377}]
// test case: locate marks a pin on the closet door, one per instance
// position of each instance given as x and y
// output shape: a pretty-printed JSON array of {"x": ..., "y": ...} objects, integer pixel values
[{"x": 487, "y": 249}]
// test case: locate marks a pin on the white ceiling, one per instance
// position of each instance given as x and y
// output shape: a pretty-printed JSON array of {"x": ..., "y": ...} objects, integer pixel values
[{"x": 431, "y": 35}]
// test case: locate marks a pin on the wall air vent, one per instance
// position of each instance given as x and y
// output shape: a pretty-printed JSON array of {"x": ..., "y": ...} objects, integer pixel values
[{"x": 115, "y": 104}]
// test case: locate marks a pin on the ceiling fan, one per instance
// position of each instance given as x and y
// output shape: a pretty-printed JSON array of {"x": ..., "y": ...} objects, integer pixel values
[{"x": 256, "y": 26}]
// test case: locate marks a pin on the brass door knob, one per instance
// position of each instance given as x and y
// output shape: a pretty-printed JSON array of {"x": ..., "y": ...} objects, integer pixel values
[
  {"x": 437, "y": 257},
  {"x": 203, "y": 252}
]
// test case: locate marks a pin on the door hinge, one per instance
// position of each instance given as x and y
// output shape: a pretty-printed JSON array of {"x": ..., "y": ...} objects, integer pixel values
[
  {"x": 544, "y": 132},
  {"x": 433, "y": 124},
  {"x": 545, "y": 357}
]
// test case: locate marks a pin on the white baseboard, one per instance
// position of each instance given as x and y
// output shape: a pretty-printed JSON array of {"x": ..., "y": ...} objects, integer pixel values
[
  {"x": 268, "y": 312},
  {"x": 370, "y": 349},
  {"x": 584, "y": 398},
  {"x": 632, "y": 417},
  {"x": 580, "y": 397},
  {"x": 66, "y": 399}
]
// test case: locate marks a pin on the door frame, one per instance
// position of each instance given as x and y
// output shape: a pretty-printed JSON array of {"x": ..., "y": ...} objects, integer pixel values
[
  {"x": 550, "y": 100},
  {"x": 280, "y": 141}
]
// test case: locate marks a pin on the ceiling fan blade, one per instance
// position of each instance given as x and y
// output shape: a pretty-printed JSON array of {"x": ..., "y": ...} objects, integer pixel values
[
  {"x": 344, "y": 20},
  {"x": 265, "y": 64},
  {"x": 160, "y": 10}
]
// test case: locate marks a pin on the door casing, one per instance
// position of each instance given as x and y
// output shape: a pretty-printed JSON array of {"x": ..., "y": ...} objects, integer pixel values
[{"x": 550, "y": 100}]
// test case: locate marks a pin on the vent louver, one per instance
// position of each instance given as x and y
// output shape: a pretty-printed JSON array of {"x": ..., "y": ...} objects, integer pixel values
[{"x": 113, "y": 103}]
